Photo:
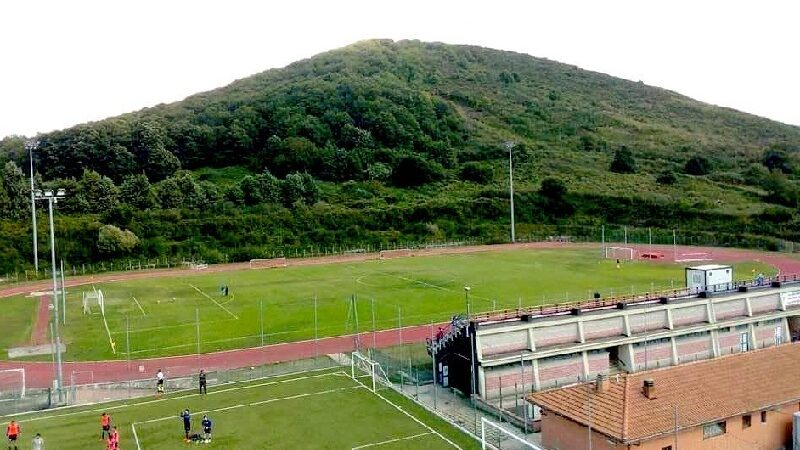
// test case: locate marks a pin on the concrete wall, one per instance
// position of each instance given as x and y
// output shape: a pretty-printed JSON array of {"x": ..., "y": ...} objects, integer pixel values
[
  {"x": 765, "y": 303},
  {"x": 513, "y": 341},
  {"x": 773, "y": 434},
  {"x": 693, "y": 347},
  {"x": 655, "y": 320},
  {"x": 507, "y": 380},
  {"x": 559, "y": 371},
  {"x": 730, "y": 340},
  {"x": 689, "y": 315},
  {"x": 727, "y": 310},
  {"x": 657, "y": 354},
  {"x": 602, "y": 328},
  {"x": 555, "y": 335},
  {"x": 559, "y": 433}
]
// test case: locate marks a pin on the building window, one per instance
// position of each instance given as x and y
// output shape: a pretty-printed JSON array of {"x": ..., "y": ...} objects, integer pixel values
[
  {"x": 763, "y": 417},
  {"x": 778, "y": 335},
  {"x": 713, "y": 429},
  {"x": 746, "y": 421},
  {"x": 669, "y": 447},
  {"x": 743, "y": 342}
]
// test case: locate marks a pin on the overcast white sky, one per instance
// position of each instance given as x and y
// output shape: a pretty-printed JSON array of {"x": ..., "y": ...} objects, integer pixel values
[{"x": 67, "y": 62}]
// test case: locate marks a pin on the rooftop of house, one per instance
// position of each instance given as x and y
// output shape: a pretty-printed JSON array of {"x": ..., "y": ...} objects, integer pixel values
[{"x": 698, "y": 393}]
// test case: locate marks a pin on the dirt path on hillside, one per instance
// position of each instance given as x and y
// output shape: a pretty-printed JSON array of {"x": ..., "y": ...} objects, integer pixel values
[{"x": 40, "y": 374}]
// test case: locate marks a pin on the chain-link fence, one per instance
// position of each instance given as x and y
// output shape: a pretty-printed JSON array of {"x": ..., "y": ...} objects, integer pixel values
[
  {"x": 410, "y": 370},
  {"x": 526, "y": 233},
  {"x": 80, "y": 386}
]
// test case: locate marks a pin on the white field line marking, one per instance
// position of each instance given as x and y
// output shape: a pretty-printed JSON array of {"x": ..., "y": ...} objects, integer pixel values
[
  {"x": 179, "y": 325},
  {"x": 139, "y": 305},
  {"x": 215, "y": 302},
  {"x": 163, "y": 399},
  {"x": 272, "y": 400},
  {"x": 435, "y": 286},
  {"x": 135, "y": 436},
  {"x": 110, "y": 339},
  {"x": 410, "y": 415},
  {"x": 391, "y": 440}
]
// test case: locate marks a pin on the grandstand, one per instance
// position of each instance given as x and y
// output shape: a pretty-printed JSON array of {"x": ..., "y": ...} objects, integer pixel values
[{"x": 501, "y": 355}]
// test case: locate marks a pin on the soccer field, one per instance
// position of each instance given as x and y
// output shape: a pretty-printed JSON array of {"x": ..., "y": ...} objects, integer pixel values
[
  {"x": 165, "y": 316},
  {"x": 316, "y": 409}
]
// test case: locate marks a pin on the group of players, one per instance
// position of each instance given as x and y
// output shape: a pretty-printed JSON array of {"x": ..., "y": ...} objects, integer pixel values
[{"x": 109, "y": 433}]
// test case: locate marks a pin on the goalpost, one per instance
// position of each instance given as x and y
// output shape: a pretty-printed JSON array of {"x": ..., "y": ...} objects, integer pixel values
[
  {"x": 91, "y": 298},
  {"x": 13, "y": 375},
  {"x": 620, "y": 253},
  {"x": 360, "y": 365},
  {"x": 487, "y": 427}
]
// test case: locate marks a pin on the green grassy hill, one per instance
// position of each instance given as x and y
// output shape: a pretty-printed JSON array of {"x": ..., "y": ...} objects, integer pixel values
[{"x": 383, "y": 141}]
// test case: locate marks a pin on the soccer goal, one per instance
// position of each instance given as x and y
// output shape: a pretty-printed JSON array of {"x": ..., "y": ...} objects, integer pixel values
[
  {"x": 12, "y": 381},
  {"x": 94, "y": 299},
  {"x": 494, "y": 436},
  {"x": 620, "y": 253},
  {"x": 267, "y": 263},
  {"x": 361, "y": 366}
]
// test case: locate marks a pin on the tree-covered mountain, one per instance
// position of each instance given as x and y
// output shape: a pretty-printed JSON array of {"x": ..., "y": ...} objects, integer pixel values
[{"x": 383, "y": 141}]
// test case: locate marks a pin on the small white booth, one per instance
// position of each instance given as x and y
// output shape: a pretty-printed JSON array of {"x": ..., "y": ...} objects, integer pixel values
[{"x": 711, "y": 277}]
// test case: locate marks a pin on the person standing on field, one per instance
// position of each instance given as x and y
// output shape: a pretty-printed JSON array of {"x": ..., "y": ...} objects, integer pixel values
[
  {"x": 38, "y": 442},
  {"x": 105, "y": 426},
  {"x": 187, "y": 423},
  {"x": 203, "y": 386},
  {"x": 113, "y": 439},
  {"x": 13, "y": 433},
  {"x": 160, "y": 382}
]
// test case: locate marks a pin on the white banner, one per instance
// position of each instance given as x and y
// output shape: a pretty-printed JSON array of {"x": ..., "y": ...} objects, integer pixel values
[{"x": 791, "y": 298}]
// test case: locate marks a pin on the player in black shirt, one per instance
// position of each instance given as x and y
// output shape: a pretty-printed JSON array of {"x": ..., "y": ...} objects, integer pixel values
[
  {"x": 187, "y": 422},
  {"x": 203, "y": 388},
  {"x": 206, "y": 429}
]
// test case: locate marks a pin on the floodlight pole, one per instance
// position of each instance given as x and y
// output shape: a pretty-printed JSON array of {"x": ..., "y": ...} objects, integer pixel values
[
  {"x": 52, "y": 198},
  {"x": 510, "y": 145},
  {"x": 30, "y": 146}
]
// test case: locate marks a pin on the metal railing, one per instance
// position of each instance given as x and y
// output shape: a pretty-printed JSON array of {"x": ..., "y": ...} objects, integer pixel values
[{"x": 608, "y": 302}]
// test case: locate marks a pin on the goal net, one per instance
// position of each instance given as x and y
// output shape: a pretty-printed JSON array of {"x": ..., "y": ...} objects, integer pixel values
[
  {"x": 267, "y": 263},
  {"x": 12, "y": 383},
  {"x": 494, "y": 436},
  {"x": 361, "y": 366},
  {"x": 94, "y": 299},
  {"x": 620, "y": 253}
]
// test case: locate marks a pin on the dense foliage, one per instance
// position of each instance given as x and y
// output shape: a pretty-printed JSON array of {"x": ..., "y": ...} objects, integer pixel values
[{"x": 384, "y": 141}]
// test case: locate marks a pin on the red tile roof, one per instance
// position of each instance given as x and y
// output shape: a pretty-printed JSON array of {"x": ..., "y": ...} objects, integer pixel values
[{"x": 703, "y": 392}]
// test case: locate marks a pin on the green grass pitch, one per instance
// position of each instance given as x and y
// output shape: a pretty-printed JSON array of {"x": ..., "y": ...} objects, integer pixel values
[
  {"x": 315, "y": 409},
  {"x": 160, "y": 313}
]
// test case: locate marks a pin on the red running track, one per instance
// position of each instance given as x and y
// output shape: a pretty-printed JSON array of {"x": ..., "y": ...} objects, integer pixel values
[{"x": 40, "y": 374}]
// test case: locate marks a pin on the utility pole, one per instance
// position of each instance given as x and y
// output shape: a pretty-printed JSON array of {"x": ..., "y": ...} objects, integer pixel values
[
  {"x": 510, "y": 145},
  {"x": 30, "y": 145},
  {"x": 52, "y": 198}
]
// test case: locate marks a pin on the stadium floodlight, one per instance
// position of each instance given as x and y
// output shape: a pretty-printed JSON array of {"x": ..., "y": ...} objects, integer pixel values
[
  {"x": 510, "y": 145},
  {"x": 52, "y": 198},
  {"x": 31, "y": 145}
]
